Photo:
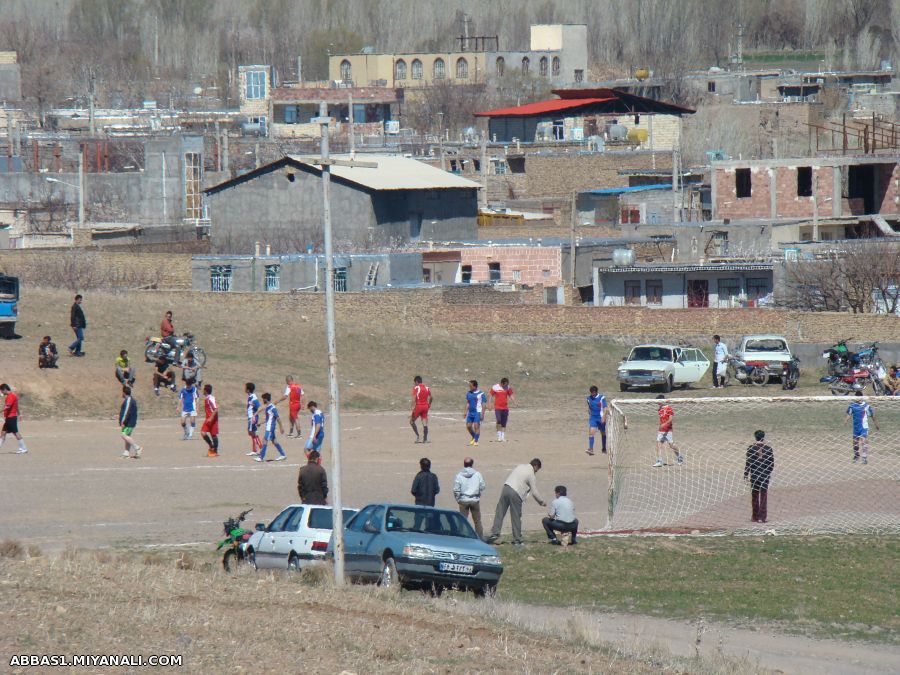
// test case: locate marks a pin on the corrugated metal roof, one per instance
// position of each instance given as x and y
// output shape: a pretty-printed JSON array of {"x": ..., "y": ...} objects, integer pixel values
[
  {"x": 393, "y": 173},
  {"x": 633, "y": 188}
]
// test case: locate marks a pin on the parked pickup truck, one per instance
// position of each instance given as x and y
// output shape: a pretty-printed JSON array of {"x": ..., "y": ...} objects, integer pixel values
[
  {"x": 663, "y": 366},
  {"x": 770, "y": 350}
]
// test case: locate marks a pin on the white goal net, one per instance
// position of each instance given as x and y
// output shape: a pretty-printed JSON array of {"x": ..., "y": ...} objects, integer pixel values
[{"x": 816, "y": 484}]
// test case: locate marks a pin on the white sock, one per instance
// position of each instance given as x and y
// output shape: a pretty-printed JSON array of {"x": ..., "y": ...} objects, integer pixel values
[
  {"x": 22, "y": 445},
  {"x": 191, "y": 431},
  {"x": 2, "y": 441}
]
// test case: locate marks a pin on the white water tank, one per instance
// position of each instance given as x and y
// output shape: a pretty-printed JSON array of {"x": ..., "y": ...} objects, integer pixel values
[{"x": 623, "y": 257}]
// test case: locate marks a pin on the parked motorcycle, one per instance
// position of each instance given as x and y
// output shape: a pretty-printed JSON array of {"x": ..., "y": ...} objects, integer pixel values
[
  {"x": 746, "y": 371},
  {"x": 857, "y": 379},
  {"x": 790, "y": 374},
  {"x": 236, "y": 537},
  {"x": 183, "y": 346},
  {"x": 839, "y": 357}
]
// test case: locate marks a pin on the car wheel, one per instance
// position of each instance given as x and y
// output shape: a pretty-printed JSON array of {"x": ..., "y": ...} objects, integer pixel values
[
  {"x": 486, "y": 591},
  {"x": 293, "y": 562},
  {"x": 623, "y": 387},
  {"x": 667, "y": 385},
  {"x": 389, "y": 578}
]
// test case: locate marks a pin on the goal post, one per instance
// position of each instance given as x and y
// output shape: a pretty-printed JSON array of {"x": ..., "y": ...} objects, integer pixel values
[{"x": 816, "y": 485}]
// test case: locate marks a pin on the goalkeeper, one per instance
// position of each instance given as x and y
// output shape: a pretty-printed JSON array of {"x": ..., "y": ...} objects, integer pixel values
[{"x": 664, "y": 435}]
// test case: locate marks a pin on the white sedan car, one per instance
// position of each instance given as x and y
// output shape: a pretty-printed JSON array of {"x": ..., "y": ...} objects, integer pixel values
[
  {"x": 295, "y": 538},
  {"x": 663, "y": 366}
]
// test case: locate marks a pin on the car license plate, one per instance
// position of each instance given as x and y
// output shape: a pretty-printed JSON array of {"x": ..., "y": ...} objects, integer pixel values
[{"x": 456, "y": 567}]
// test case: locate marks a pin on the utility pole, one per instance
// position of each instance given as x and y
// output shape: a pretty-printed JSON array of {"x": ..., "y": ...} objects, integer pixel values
[
  {"x": 815, "y": 205},
  {"x": 81, "y": 190},
  {"x": 572, "y": 239},
  {"x": 91, "y": 103},
  {"x": 352, "y": 134},
  {"x": 337, "y": 515},
  {"x": 484, "y": 178}
]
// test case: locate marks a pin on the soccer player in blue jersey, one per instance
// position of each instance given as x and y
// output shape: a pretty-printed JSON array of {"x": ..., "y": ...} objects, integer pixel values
[
  {"x": 860, "y": 412},
  {"x": 474, "y": 413},
  {"x": 252, "y": 418},
  {"x": 273, "y": 419},
  {"x": 316, "y": 428},
  {"x": 187, "y": 401},
  {"x": 597, "y": 404}
]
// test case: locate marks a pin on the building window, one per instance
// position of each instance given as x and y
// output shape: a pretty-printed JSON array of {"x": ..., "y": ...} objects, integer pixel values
[
  {"x": 729, "y": 291},
  {"x": 494, "y": 271},
  {"x": 804, "y": 181},
  {"x": 438, "y": 71},
  {"x": 192, "y": 167},
  {"x": 500, "y": 167},
  {"x": 517, "y": 275},
  {"x": 501, "y": 66},
  {"x": 742, "y": 183},
  {"x": 273, "y": 276},
  {"x": 633, "y": 292},
  {"x": 340, "y": 279},
  {"x": 426, "y": 275},
  {"x": 291, "y": 114},
  {"x": 543, "y": 66},
  {"x": 526, "y": 64},
  {"x": 466, "y": 274},
  {"x": 346, "y": 71},
  {"x": 718, "y": 244},
  {"x": 559, "y": 130},
  {"x": 416, "y": 69},
  {"x": 256, "y": 85},
  {"x": 400, "y": 70},
  {"x": 220, "y": 278},
  {"x": 555, "y": 66},
  {"x": 757, "y": 288},
  {"x": 579, "y": 76},
  {"x": 711, "y": 87},
  {"x": 462, "y": 69},
  {"x": 654, "y": 291}
]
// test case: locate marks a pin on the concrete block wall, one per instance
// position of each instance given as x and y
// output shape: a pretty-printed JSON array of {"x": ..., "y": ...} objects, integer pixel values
[{"x": 557, "y": 175}]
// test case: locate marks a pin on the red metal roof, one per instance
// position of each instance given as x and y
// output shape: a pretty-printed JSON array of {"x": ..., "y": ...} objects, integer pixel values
[{"x": 542, "y": 107}]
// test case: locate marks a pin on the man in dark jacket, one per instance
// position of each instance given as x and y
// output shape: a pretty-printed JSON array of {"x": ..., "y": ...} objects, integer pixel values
[
  {"x": 758, "y": 469},
  {"x": 425, "y": 485},
  {"x": 128, "y": 417},
  {"x": 312, "y": 483},
  {"x": 78, "y": 324}
]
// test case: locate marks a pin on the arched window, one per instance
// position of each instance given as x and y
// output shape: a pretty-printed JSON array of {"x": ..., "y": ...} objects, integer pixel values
[
  {"x": 543, "y": 66},
  {"x": 501, "y": 66},
  {"x": 526, "y": 64},
  {"x": 416, "y": 69},
  {"x": 555, "y": 66},
  {"x": 438, "y": 72},
  {"x": 346, "y": 71},
  {"x": 462, "y": 69},
  {"x": 400, "y": 70}
]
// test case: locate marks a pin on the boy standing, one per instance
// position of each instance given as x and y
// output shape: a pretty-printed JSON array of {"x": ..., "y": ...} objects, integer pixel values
[
  {"x": 293, "y": 394},
  {"x": 596, "y": 403},
  {"x": 474, "y": 413},
  {"x": 860, "y": 412},
  {"x": 501, "y": 396},
  {"x": 421, "y": 404},
  {"x": 187, "y": 400},
  {"x": 664, "y": 436},
  {"x": 316, "y": 428},
  {"x": 210, "y": 428},
  {"x": 425, "y": 485},
  {"x": 128, "y": 417},
  {"x": 252, "y": 418},
  {"x": 11, "y": 418},
  {"x": 272, "y": 419}
]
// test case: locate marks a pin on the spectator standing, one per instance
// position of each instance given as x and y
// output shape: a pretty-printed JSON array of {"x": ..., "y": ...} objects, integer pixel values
[
  {"x": 519, "y": 483},
  {"x": 502, "y": 397},
  {"x": 758, "y": 469},
  {"x": 128, "y": 418},
  {"x": 11, "y": 418},
  {"x": 47, "y": 354},
  {"x": 78, "y": 324},
  {"x": 425, "y": 485},
  {"x": 124, "y": 370},
  {"x": 421, "y": 404},
  {"x": 860, "y": 412},
  {"x": 562, "y": 517},
  {"x": 312, "y": 481},
  {"x": 467, "y": 488},
  {"x": 720, "y": 362}
]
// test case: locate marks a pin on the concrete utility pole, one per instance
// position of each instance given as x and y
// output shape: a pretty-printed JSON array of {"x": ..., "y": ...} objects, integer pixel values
[
  {"x": 484, "y": 178},
  {"x": 352, "y": 134},
  {"x": 337, "y": 514},
  {"x": 81, "y": 191},
  {"x": 572, "y": 247},
  {"x": 815, "y": 205}
]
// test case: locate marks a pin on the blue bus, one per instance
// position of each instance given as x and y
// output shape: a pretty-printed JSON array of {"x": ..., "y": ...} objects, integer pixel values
[{"x": 9, "y": 305}]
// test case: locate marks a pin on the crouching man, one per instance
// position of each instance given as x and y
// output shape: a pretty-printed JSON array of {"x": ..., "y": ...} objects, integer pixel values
[{"x": 562, "y": 517}]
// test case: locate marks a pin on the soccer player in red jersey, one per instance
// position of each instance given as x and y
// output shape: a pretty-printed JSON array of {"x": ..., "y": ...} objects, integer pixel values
[
  {"x": 210, "y": 428},
  {"x": 421, "y": 404},
  {"x": 11, "y": 417},
  {"x": 501, "y": 396},
  {"x": 293, "y": 394},
  {"x": 664, "y": 436}
]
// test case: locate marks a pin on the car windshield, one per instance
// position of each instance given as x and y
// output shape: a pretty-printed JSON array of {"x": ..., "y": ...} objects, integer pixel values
[
  {"x": 650, "y": 354},
  {"x": 767, "y": 345},
  {"x": 427, "y": 521},
  {"x": 321, "y": 519}
]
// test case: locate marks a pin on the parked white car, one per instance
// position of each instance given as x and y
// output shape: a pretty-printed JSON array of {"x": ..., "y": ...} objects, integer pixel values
[
  {"x": 295, "y": 538},
  {"x": 769, "y": 350},
  {"x": 663, "y": 366}
]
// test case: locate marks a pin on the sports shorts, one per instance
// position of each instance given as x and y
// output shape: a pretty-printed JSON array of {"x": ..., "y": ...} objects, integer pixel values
[
  {"x": 597, "y": 423},
  {"x": 252, "y": 427},
  {"x": 11, "y": 425},
  {"x": 502, "y": 417},
  {"x": 421, "y": 411},
  {"x": 664, "y": 437},
  {"x": 269, "y": 435},
  {"x": 860, "y": 433},
  {"x": 128, "y": 430},
  {"x": 315, "y": 443},
  {"x": 188, "y": 413},
  {"x": 294, "y": 411},
  {"x": 473, "y": 418},
  {"x": 211, "y": 428}
]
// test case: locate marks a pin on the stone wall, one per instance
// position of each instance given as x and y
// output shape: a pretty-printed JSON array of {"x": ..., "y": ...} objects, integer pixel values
[{"x": 558, "y": 174}]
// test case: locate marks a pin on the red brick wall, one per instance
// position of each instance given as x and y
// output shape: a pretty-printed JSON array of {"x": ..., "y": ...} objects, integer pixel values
[
  {"x": 891, "y": 201},
  {"x": 789, "y": 205},
  {"x": 757, "y": 205},
  {"x": 531, "y": 261}
]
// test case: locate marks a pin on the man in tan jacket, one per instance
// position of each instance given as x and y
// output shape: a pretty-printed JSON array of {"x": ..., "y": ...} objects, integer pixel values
[{"x": 519, "y": 483}]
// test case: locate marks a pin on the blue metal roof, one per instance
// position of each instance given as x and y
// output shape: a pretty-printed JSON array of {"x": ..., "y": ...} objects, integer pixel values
[{"x": 634, "y": 188}]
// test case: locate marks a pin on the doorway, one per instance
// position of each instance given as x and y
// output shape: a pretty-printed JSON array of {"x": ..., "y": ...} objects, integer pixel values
[{"x": 698, "y": 293}]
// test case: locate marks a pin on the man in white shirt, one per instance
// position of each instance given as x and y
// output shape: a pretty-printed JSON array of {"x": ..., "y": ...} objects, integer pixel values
[
  {"x": 518, "y": 484},
  {"x": 467, "y": 489},
  {"x": 562, "y": 517},
  {"x": 720, "y": 362}
]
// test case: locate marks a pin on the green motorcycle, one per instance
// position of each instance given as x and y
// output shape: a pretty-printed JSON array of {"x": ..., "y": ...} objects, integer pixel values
[{"x": 236, "y": 537}]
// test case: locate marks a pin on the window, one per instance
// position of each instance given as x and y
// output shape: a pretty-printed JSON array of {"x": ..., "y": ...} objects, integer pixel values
[
  {"x": 293, "y": 523},
  {"x": 718, "y": 244},
  {"x": 804, "y": 181},
  {"x": 346, "y": 71},
  {"x": 501, "y": 66},
  {"x": 416, "y": 69},
  {"x": 400, "y": 70},
  {"x": 273, "y": 277},
  {"x": 555, "y": 66},
  {"x": 438, "y": 70},
  {"x": 256, "y": 85},
  {"x": 291, "y": 114},
  {"x": 559, "y": 130},
  {"x": 281, "y": 519},
  {"x": 494, "y": 271},
  {"x": 360, "y": 519},
  {"x": 711, "y": 87},
  {"x": 517, "y": 275},
  {"x": 426, "y": 275},
  {"x": 466, "y": 274},
  {"x": 462, "y": 69},
  {"x": 757, "y": 288},
  {"x": 323, "y": 519},
  {"x": 654, "y": 291},
  {"x": 340, "y": 279},
  {"x": 192, "y": 167},
  {"x": 543, "y": 66},
  {"x": 742, "y": 183},
  {"x": 220, "y": 278},
  {"x": 500, "y": 167},
  {"x": 526, "y": 64},
  {"x": 579, "y": 76},
  {"x": 633, "y": 292},
  {"x": 729, "y": 292}
]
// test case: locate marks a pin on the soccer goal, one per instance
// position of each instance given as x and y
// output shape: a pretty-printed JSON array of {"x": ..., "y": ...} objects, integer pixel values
[{"x": 816, "y": 485}]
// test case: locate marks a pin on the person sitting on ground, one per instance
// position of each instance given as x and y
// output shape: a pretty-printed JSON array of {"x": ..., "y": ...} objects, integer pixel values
[
  {"x": 562, "y": 517},
  {"x": 190, "y": 370},
  {"x": 162, "y": 374},
  {"x": 124, "y": 369},
  {"x": 892, "y": 382},
  {"x": 47, "y": 354}
]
